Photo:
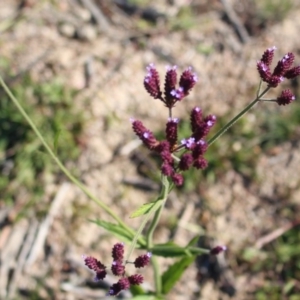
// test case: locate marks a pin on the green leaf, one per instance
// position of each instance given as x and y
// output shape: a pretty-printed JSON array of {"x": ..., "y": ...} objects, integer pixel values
[
  {"x": 137, "y": 290},
  {"x": 172, "y": 250},
  {"x": 146, "y": 208},
  {"x": 115, "y": 229},
  {"x": 174, "y": 272}
]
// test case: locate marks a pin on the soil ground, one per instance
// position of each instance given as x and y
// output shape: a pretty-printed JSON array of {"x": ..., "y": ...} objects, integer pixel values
[{"x": 62, "y": 39}]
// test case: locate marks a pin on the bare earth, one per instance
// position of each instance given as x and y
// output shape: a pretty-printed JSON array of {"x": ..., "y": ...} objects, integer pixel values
[{"x": 235, "y": 213}]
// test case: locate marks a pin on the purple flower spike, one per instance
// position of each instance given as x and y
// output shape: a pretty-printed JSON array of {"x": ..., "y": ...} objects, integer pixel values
[
  {"x": 117, "y": 268},
  {"x": 142, "y": 260},
  {"x": 167, "y": 169},
  {"x": 286, "y": 97},
  {"x": 282, "y": 70},
  {"x": 95, "y": 265},
  {"x": 284, "y": 64},
  {"x": 151, "y": 82},
  {"x": 116, "y": 288},
  {"x": 217, "y": 250},
  {"x": 264, "y": 71},
  {"x": 268, "y": 55},
  {"x": 136, "y": 279},
  {"x": 185, "y": 162},
  {"x": 274, "y": 81},
  {"x": 118, "y": 252},
  {"x": 144, "y": 134},
  {"x": 177, "y": 179},
  {"x": 171, "y": 131},
  {"x": 187, "y": 80},
  {"x": 170, "y": 85},
  {"x": 292, "y": 73},
  {"x": 200, "y": 163},
  {"x": 196, "y": 118}
]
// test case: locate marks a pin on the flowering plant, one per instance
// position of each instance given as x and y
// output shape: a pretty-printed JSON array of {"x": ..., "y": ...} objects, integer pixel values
[{"x": 176, "y": 158}]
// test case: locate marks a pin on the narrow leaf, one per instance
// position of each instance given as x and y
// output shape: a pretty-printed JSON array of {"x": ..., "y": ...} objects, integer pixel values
[
  {"x": 172, "y": 250},
  {"x": 146, "y": 208},
  {"x": 115, "y": 229},
  {"x": 174, "y": 272}
]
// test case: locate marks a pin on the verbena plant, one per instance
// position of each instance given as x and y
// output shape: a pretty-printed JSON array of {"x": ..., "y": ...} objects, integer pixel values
[{"x": 177, "y": 157}]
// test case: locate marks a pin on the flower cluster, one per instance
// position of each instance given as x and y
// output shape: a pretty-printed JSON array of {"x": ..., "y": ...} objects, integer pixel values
[
  {"x": 282, "y": 70},
  {"x": 118, "y": 269},
  {"x": 194, "y": 146},
  {"x": 171, "y": 94}
]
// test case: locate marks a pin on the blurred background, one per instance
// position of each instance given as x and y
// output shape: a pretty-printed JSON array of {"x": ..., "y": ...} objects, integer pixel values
[{"x": 78, "y": 67}]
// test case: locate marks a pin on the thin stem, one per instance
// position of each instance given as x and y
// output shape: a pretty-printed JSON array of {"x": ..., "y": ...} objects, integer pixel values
[
  {"x": 154, "y": 223},
  {"x": 159, "y": 203},
  {"x": 157, "y": 276},
  {"x": 137, "y": 235},
  {"x": 165, "y": 192},
  {"x": 237, "y": 117},
  {"x": 58, "y": 162},
  {"x": 259, "y": 87},
  {"x": 268, "y": 100}
]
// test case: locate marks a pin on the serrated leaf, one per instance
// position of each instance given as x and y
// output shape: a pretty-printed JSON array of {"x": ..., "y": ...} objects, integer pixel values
[
  {"x": 146, "y": 208},
  {"x": 174, "y": 272}
]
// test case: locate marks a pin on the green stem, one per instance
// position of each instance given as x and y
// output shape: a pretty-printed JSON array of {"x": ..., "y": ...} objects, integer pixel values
[
  {"x": 165, "y": 192},
  {"x": 58, "y": 162},
  {"x": 137, "y": 235},
  {"x": 154, "y": 223},
  {"x": 157, "y": 276},
  {"x": 237, "y": 117}
]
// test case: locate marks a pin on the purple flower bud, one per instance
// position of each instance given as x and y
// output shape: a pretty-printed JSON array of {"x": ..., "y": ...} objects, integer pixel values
[
  {"x": 163, "y": 146},
  {"x": 117, "y": 268},
  {"x": 116, "y": 288},
  {"x": 286, "y": 97},
  {"x": 217, "y": 250},
  {"x": 177, "y": 179},
  {"x": 264, "y": 71},
  {"x": 204, "y": 128},
  {"x": 167, "y": 169},
  {"x": 284, "y": 64},
  {"x": 268, "y": 55},
  {"x": 171, "y": 131},
  {"x": 151, "y": 82},
  {"x": 187, "y": 80},
  {"x": 199, "y": 149},
  {"x": 274, "y": 81},
  {"x": 142, "y": 260},
  {"x": 200, "y": 163},
  {"x": 170, "y": 85},
  {"x": 136, "y": 279},
  {"x": 196, "y": 118},
  {"x": 95, "y": 265},
  {"x": 185, "y": 162},
  {"x": 292, "y": 73},
  {"x": 167, "y": 157},
  {"x": 144, "y": 134},
  {"x": 118, "y": 252}
]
